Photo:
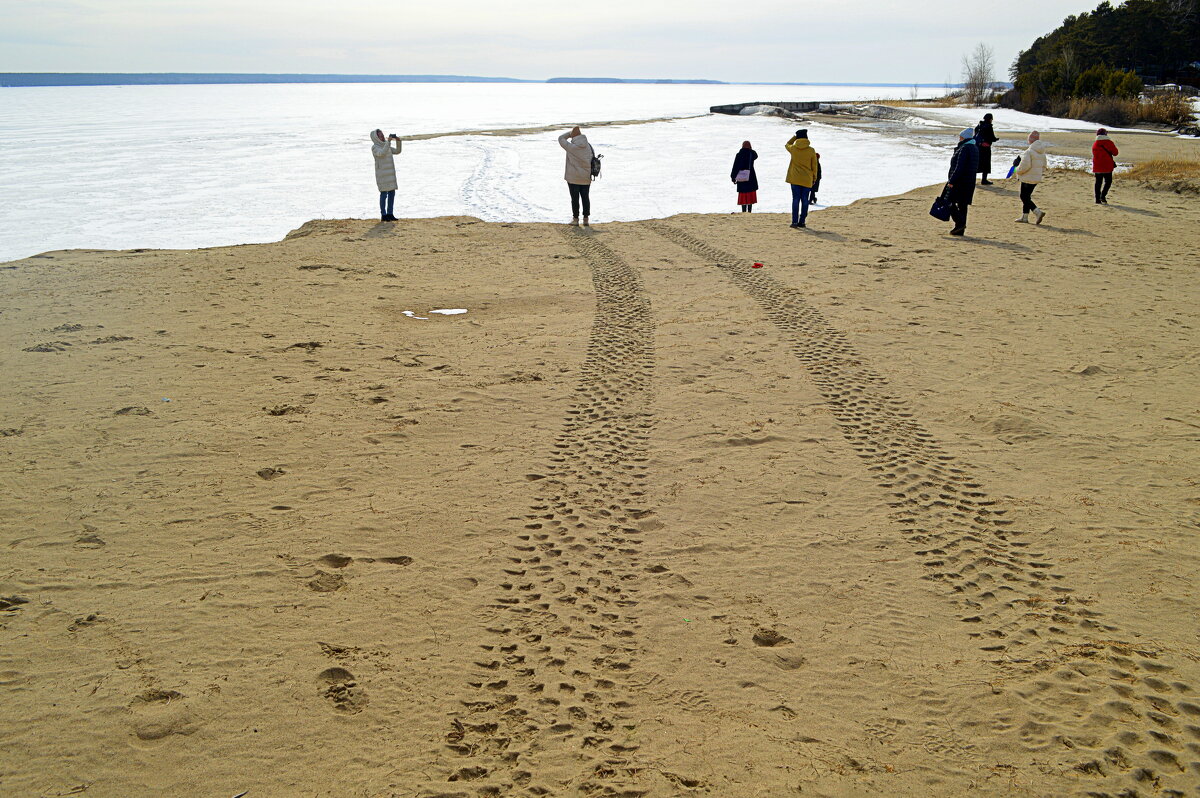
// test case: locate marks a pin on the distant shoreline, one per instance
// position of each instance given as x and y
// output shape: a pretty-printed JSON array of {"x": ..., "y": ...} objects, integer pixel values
[{"x": 49, "y": 79}]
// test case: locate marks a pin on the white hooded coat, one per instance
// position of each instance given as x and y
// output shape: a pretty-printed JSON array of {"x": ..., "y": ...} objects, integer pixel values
[
  {"x": 385, "y": 167},
  {"x": 1032, "y": 168},
  {"x": 579, "y": 159}
]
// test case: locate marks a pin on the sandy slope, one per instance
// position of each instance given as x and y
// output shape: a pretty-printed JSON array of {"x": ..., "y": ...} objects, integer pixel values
[{"x": 897, "y": 514}]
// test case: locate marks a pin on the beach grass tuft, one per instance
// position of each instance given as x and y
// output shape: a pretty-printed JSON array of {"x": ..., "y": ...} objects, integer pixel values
[
  {"x": 946, "y": 101},
  {"x": 1181, "y": 175},
  {"x": 1167, "y": 169}
]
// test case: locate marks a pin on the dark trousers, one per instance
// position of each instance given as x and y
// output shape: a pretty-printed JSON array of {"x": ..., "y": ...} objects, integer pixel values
[
  {"x": 800, "y": 195},
  {"x": 1027, "y": 205},
  {"x": 1103, "y": 184},
  {"x": 387, "y": 201},
  {"x": 958, "y": 212},
  {"x": 580, "y": 193}
]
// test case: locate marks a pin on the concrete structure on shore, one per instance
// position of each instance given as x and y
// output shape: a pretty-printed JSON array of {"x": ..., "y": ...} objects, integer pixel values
[{"x": 794, "y": 107}]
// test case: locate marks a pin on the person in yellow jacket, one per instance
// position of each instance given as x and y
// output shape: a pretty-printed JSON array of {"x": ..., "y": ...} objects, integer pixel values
[{"x": 801, "y": 173}]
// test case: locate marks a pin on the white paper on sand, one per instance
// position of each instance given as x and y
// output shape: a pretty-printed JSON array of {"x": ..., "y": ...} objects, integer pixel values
[{"x": 440, "y": 311}]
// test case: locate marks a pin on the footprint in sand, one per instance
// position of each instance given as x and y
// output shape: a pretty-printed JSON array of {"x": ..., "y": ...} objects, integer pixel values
[
  {"x": 283, "y": 410},
  {"x": 769, "y": 638},
  {"x": 339, "y": 687},
  {"x": 325, "y": 582},
  {"x": 159, "y": 714}
]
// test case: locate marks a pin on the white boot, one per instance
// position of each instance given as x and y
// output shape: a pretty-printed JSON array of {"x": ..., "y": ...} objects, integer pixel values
[
  {"x": 1038, "y": 215},
  {"x": 1024, "y": 218}
]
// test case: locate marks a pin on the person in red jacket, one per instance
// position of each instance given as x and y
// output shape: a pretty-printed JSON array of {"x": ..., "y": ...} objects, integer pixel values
[{"x": 1103, "y": 164}]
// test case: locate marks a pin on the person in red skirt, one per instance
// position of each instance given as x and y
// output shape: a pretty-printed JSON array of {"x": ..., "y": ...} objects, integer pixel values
[{"x": 744, "y": 177}]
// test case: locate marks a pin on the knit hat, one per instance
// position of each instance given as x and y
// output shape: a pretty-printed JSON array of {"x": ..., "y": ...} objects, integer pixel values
[
  {"x": 802, "y": 133},
  {"x": 967, "y": 133},
  {"x": 1102, "y": 132},
  {"x": 987, "y": 117}
]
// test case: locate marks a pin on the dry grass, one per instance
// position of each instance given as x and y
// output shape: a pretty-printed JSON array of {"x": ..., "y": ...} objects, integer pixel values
[
  {"x": 948, "y": 101},
  {"x": 1159, "y": 109},
  {"x": 1167, "y": 109},
  {"x": 1167, "y": 169},
  {"x": 1181, "y": 175},
  {"x": 1116, "y": 111}
]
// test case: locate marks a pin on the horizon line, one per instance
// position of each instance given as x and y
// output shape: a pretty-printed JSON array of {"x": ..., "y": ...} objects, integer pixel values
[{"x": 32, "y": 79}]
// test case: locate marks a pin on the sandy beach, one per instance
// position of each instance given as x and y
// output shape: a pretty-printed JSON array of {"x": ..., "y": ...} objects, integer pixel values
[{"x": 895, "y": 514}]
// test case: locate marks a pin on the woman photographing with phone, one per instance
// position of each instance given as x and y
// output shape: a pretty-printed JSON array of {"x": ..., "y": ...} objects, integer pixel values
[
  {"x": 385, "y": 171},
  {"x": 578, "y": 172}
]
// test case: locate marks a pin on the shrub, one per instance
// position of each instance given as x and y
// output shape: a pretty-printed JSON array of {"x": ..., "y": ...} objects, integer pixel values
[
  {"x": 1130, "y": 86},
  {"x": 1113, "y": 111},
  {"x": 1168, "y": 108},
  {"x": 1161, "y": 109},
  {"x": 1094, "y": 81}
]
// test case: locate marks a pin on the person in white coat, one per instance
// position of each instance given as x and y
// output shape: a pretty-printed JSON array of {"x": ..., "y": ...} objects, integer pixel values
[
  {"x": 385, "y": 171},
  {"x": 1030, "y": 171},
  {"x": 579, "y": 172}
]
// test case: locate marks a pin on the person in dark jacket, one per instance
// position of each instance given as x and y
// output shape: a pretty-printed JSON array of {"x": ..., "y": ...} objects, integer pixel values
[
  {"x": 743, "y": 162},
  {"x": 960, "y": 183},
  {"x": 985, "y": 137}
]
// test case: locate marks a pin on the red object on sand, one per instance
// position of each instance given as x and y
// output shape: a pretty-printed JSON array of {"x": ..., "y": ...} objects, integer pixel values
[{"x": 756, "y": 265}]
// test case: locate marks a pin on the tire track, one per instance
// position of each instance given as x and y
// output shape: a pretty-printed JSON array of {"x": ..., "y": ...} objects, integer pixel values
[
  {"x": 1111, "y": 708},
  {"x": 549, "y": 691}
]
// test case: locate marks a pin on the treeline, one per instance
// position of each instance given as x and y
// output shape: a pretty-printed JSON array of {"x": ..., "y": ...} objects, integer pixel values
[{"x": 1094, "y": 65}]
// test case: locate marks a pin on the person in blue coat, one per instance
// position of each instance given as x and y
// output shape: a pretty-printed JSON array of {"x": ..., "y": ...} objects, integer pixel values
[
  {"x": 743, "y": 164},
  {"x": 960, "y": 183}
]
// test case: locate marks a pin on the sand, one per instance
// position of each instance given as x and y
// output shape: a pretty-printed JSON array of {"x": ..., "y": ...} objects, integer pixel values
[{"x": 896, "y": 514}]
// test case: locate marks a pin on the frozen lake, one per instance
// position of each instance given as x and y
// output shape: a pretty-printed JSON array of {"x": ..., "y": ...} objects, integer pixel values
[{"x": 192, "y": 166}]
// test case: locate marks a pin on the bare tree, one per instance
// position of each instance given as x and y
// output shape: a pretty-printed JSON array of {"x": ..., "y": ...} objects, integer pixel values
[
  {"x": 1068, "y": 68},
  {"x": 978, "y": 69}
]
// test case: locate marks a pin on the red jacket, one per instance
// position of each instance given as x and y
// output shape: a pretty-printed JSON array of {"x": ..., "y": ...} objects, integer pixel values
[{"x": 1103, "y": 151}]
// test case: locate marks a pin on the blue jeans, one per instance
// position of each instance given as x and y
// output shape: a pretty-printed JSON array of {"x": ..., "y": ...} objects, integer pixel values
[
  {"x": 800, "y": 203},
  {"x": 387, "y": 201}
]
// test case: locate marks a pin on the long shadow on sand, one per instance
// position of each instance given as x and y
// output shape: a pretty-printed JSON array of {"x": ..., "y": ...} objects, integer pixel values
[
  {"x": 1074, "y": 231},
  {"x": 1139, "y": 211},
  {"x": 829, "y": 234},
  {"x": 380, "y": 229},
  {"x": 997, "y": 244}
]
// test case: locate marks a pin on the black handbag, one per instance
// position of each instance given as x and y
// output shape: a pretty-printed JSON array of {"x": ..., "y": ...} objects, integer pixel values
[{"x": 941, "y": 207}]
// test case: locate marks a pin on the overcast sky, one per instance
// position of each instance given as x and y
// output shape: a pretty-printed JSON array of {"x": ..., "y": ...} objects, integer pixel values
[{"x": 770, "y": 40}]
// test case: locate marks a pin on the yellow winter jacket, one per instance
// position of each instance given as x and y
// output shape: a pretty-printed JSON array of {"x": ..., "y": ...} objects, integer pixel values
[{"x": 803, "y": 168}]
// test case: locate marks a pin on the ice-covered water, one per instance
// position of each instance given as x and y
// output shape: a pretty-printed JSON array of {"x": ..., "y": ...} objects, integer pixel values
[{"x": 190, "y": 166}]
